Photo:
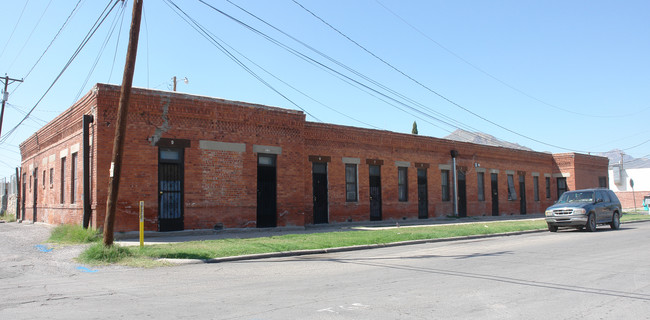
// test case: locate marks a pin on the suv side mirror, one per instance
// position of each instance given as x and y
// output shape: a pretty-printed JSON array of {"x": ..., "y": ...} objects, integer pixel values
[{"x": 599, "y": 200}]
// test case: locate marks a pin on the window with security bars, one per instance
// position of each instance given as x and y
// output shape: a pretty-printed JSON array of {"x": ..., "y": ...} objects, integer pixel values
[
  {"x": 481, "y": 186},
  {"x": 512, "y": 194},
  {"x": 536, "y": 188},
  {"x": 446, "y": 195},
  {"x": 602, "y": 182},
  {"x": 402, "y": 185},
  {"x": 63, "y": 180},
  {"x": 548, "y": 187},
  {"x": 351, "y": 183}
]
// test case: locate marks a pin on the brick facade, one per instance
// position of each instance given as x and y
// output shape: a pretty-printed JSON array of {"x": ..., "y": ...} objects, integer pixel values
[
  {"x": 629, "y": 199},
  {"x": 221, "y": 141}
]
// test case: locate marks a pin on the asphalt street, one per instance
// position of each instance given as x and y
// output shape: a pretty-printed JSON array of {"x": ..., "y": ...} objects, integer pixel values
[{"x": 564, "y": 275}]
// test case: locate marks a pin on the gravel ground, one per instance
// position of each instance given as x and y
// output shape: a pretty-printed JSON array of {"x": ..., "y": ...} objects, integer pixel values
[{"x": 24, "y": 249}]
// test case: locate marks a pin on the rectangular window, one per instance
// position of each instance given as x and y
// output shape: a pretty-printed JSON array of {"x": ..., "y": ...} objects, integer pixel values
[
  {"x": 73, "y": 177},
  {"x": 63, "y": 180},
  {"x": 536, "y": 187},
  {"x": 548, "y": 187},
  {"x": 402, "y": 185},
  {"x": 512, "y": 194},
  {"x": 44, "y": 179},
  {"x": 446, "y": 196},
  {"x": 602, "y": 182},
  {"x": 561, "y": 187},
  {"x": 481, "y": 186},
  {"x": 351, "y": 182}
]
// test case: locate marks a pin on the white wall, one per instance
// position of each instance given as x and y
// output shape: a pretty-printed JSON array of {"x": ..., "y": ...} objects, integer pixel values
[{"x": 641, "y": 179}]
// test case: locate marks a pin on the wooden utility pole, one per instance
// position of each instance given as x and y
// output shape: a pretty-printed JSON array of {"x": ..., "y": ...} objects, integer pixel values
[
  {"x": 5, "y": 96},
  {"x": 120, "y": 127}
]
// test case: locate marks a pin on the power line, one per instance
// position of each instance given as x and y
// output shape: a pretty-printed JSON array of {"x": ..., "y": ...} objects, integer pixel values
[
  {"x": 146, "y": 30},
  {"x": 328, "y": 69},
  {"x": 209, "y": 36},
  {"x": 14, "y": 29},
  {"x": 51, "y": 42},
  {"x": 117, "y": 43},
  {"x": 25, "y": 112},
  {"x": 101, "y": 50},
  {"x": 429, "y": 89},
  {"x": 89, "y": 35},
  {"x": 373, "y": 92},
  {"x": 499, "y": 80},
  {"x": 30, "y": 35},
  {"x": 297, "y": 90},
  {"x": 285, "y": 83},
  {"x": 341, "y": 76},
  {"x": 640, "y": 144},
  {"x": 10, "y": 149},
  {"x": 7, "y": 164}
]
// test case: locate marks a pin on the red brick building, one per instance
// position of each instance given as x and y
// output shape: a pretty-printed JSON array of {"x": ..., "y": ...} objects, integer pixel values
[{"x": 203, "y": 163}]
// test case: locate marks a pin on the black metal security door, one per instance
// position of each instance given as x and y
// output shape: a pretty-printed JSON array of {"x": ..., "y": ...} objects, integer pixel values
[
  {"x": 320, "y": 192},
  {"x": 561, "y": 187},
  {"x": 170, "y": 189},
  {"x": 462, "y": 194},
  {"x": 266, "y": 191},
  {"x": 375, "y": 193},
  {"x": 522, "y": 193},
  {"x": 494, "y": 177},
  {"x": 423, "y": 194},
  {"x": 23, "y": 195}
]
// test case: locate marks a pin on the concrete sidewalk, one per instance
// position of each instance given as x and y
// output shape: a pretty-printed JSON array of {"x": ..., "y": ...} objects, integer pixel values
[{"x": 152, "y": 237}]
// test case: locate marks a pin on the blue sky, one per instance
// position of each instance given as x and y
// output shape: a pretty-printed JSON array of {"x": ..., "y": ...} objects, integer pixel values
[{"x": 556, "y": 76}]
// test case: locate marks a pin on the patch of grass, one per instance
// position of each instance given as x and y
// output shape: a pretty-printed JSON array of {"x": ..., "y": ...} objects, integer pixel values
[
  {"x": 98, "y": 254},
  {"x": 8, "y": 217},
  {"x": 135, "y": 256},
  {"x": 74, "y": 234},
  {"x": 631, "y": 216}
]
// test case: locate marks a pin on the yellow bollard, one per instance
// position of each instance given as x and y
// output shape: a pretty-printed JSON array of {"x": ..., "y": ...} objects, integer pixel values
[{"x": 141, "y": 224}]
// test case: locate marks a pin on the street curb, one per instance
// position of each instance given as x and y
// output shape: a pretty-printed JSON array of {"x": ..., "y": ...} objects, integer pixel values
[
  {"x": 341, "y": 249},
  {"x": 350, "y": 248}
]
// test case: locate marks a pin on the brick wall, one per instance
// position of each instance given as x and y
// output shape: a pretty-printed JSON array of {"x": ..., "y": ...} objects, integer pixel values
[
  {"x": 339, "y": 142},
  {"x": 221, "y": 142},
  {"x": 627, "y": 198},
  {"x": 42, "y": 158},
  {"x": 220, "y": 186}
]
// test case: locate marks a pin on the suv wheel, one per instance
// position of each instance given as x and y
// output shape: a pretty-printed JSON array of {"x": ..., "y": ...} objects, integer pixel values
[
  {"x": 591, "y": 223},
  {"x": 616, "y": 221},
  {"x": 552, "y": 228}
]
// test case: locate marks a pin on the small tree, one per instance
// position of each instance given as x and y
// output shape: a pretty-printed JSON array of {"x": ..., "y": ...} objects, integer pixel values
[{"x": 415, "y": 128}]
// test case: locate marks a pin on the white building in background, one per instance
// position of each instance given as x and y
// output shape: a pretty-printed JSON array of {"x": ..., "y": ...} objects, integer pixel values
[{"x": 620, "y": 176}]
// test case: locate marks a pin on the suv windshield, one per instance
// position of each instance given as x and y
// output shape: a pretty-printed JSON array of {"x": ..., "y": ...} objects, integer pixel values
[{"x": 578, "y": 196}]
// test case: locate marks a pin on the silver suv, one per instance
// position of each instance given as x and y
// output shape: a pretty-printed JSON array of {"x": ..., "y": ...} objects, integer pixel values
[{"x": 585, "y": 209}]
